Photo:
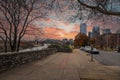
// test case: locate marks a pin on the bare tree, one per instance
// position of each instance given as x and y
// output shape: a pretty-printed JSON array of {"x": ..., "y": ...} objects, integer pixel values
[
  {"x": 3, "y": 36},
  {"x": 91, "y": 7},
  {"x": 18, "y": 14},
  {"x": 101, "y": 6}
]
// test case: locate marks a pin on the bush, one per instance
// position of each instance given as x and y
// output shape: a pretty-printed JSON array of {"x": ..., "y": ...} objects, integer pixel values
[
  {"x": 66, "y": 46},
  {"x": 54, "y": 46},
  {"x": 65, "y": 50},
  {"x": 61, "y": 48}
]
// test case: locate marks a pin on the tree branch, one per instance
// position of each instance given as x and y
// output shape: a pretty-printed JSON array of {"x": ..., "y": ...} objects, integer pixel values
[{"x": 98, "y": 8}]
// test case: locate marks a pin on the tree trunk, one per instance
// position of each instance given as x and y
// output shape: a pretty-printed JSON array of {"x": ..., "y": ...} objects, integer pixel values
[
  {"x": 5, "y": 46},
  {"x": 5, "y": 43},
  {"x": 12, "y": 48},
  {"x": 18, "y": 44}
]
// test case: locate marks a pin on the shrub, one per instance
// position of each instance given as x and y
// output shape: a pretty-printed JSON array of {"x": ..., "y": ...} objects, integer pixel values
[
  {"x": 61, "y": 48},
  {"x": 54, "y": 46},
  {"x": 66, "y": 46}
]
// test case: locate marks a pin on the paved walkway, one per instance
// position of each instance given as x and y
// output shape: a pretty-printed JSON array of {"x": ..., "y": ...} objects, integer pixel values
[
  {"x": 35, "y": 48},
  {"x": 63, "y": 66}
]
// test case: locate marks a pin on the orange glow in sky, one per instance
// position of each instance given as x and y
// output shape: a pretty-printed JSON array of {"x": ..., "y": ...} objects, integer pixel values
[{"x": 57, "y": 33}]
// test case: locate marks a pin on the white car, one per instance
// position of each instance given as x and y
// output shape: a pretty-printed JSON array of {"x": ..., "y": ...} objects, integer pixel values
[
  {"x": 81, "y": 48},
  {"x": 88, "y": 48}
]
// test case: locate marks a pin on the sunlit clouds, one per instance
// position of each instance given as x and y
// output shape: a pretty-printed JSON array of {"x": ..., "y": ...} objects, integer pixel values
[
  {"x": 57, "y": 33},
  {"x": 61, "y": 24},
  {"x": 58, "y": 29}
]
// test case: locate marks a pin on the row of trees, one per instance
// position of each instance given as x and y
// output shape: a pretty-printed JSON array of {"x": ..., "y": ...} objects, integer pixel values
[{"x": 105, "y": 41}]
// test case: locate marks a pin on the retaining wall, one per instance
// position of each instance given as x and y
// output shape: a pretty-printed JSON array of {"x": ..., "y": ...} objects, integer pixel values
[{"x": 10, "y": 60}]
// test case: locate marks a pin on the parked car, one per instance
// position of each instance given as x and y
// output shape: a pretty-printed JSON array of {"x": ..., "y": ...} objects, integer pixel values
[
  {"x": 94, "y": 51},
  {"x": 81, "y": 48},
  {"x": 118, "y": 50},
  {"x": 87, "y": 48}
]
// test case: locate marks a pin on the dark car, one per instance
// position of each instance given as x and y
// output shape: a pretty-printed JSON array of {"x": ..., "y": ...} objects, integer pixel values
[
  {"x": 95, "y": 51},
  {"x": 118, "y": 50}
]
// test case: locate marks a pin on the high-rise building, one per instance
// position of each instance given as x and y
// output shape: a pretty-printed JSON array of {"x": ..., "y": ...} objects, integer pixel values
[
  {"x": 96, "y": 31},
  {"x": 90, "y": 34},
  {"x": 83, "y": 28},
  {"x": 107, "y": 31}
]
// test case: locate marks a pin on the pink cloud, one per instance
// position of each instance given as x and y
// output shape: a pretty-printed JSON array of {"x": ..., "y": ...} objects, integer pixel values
[{"x": 57, "y": 33}]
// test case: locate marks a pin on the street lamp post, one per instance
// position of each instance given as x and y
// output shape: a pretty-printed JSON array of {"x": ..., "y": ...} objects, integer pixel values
[
  {"x": 107, "y": 41},
  {"x": 91, "y": 53},
  {"x": 118, "y": 34},
  {"x": 118, "y": 40}
]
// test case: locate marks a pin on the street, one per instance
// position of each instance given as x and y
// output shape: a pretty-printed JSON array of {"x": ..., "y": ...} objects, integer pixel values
[
  {"x": 63, "y": 66},
  {"x": 108, "y": 58}
]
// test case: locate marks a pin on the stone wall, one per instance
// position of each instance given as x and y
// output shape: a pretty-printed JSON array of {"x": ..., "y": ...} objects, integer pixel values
[{"x": 10, "y": 60}]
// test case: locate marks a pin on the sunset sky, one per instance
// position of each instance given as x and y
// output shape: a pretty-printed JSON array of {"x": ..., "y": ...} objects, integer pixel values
[
  {"x": 56, "y": 28},
  {"x": 59, "y": 25},
  {"x": 61, "y": 19}
]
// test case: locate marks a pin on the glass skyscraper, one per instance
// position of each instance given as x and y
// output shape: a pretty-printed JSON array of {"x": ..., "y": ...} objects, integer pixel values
[
  {"x": 96, "y": 31},
  {"x": 83, "y": 28}
]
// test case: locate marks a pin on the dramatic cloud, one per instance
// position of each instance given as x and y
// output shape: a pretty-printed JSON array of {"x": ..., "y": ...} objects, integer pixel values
[
  {"x": 62, "y": 23},
  {"x": 58, "y": 29},
  {"x": 57, "y": 33}
]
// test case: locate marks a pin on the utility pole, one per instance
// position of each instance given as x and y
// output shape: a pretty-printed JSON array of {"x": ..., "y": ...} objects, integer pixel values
[
  {"x": 91, "y": 53},
  {"x": 107, "y": 41},
  {"x": 118, "y": 34},
  {"x": 117, "y": 40}
]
